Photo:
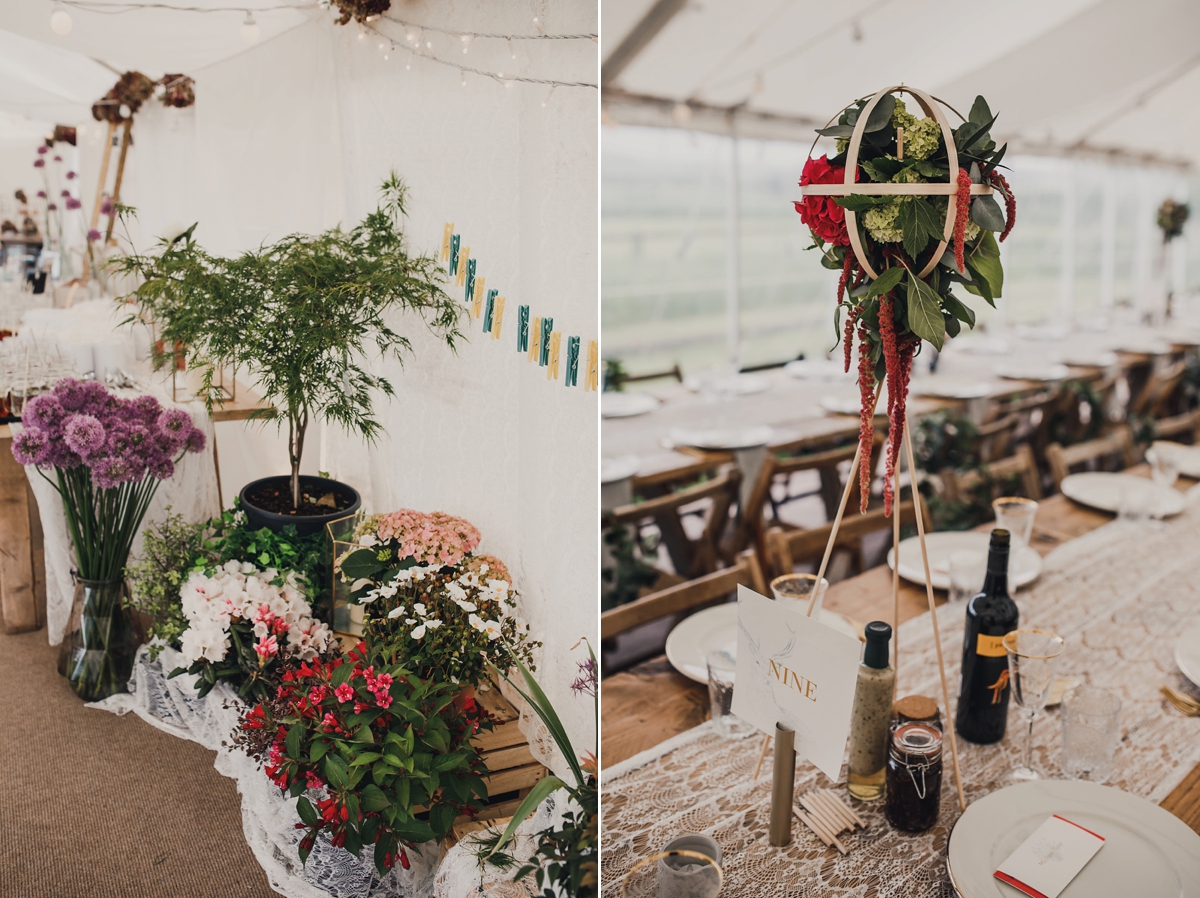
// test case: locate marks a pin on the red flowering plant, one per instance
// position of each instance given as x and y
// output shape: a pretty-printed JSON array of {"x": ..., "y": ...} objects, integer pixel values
[
  {"x": 374, "y": 754},
  {"x": 892, "y": 314}
]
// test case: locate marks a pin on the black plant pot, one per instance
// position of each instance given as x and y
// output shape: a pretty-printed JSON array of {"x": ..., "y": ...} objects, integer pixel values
[{"x": 304, "y": 523}]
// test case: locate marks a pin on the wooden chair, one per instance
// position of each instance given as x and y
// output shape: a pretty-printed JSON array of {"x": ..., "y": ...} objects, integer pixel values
[
  {"x": 690, "y": 557},
  {"x": 995, "y": 438},
  {"x": 1034, "y": 413},
  {"x": 788, "y": 548},
  {"x": 1021, "y": 464},
  {"x": 688, "y": 596},
  {"x": 1182, "y": 428},
  {"x": 1154, "y": 399},
  {"x": 1117, "y": 446}
]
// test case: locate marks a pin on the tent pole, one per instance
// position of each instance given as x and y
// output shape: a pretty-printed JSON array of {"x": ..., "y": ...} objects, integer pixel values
[{"x": 733, "y": 253}]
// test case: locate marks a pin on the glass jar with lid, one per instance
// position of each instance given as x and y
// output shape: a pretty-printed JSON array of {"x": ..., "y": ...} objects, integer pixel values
[{"x": 914, "y": 777}]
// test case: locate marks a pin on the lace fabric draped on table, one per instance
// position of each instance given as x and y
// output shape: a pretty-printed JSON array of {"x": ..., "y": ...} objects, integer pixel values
[{"x": 1117, "y": 595}]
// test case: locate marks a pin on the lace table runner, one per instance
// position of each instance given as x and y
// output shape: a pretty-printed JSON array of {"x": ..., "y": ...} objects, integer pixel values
[{"x": 1118, "y": 595}]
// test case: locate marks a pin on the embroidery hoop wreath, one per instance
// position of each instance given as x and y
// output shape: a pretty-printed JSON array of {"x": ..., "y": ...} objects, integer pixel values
[{"x": 931, "y": 106}]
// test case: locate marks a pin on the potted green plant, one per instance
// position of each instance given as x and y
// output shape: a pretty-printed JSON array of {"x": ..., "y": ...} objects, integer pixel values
[{"x": 299, "y": 315}]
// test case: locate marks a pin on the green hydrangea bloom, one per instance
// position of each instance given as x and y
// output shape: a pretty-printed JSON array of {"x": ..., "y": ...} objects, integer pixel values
[
  {"x": 971, "y": 232},
  {"x": 881, "y": 223},
  {"x": 901, "y": 117},
  {"x": 922, "y": 139},
  {"x": 842, "y": 143},
  {"x": 907, "y": 176}
]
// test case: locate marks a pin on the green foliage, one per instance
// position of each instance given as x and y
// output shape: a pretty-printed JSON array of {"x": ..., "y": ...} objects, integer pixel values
[
  {"x": 624, "y": 579},
  {"x": 301, "y": 315},
  {"x": 566, "y": 857},
  {"x": 944, "y": 439},
  {"x": 614, "y": 376},
  {"x": 168, "y": 550}
]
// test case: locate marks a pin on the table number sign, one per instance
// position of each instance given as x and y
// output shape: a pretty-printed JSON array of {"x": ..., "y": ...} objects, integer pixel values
[{"x": 796, "y": 671}]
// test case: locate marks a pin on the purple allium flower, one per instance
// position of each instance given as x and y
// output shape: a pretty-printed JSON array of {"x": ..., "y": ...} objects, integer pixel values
[
  {"x": 42, "y": 194},
  {"x": 44, "y": 413},
  {"x": 196, "y": 440},
  {"x": 30, "y": 447},
  {"x": 106, "y": 206},
  {"x": 146, "y": 409},
  {"x": 93, "y": 235},
  {"x": 111, "y": 472},
  {"x": 84, "y": 435},
  {"x": 585, "y": 683},
  {"x": 58, "y": 158},
  {"x": 163, "y": 469},
  {"x": 176, "y": 422},
  {"x": 51, "y": 207},
  {"x": 43, "y": 150},
  {"x": 73, "y": 203},
  {"x": 66, "y": 193},
  {"x": 71, "y": 176},
  {"x": 39, "y": 163}
]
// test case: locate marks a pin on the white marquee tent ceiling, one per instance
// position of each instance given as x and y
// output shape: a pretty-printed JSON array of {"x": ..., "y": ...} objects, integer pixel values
[
  {"x": 1080, "y": 76},
  {"x": 46, "y": 78}
]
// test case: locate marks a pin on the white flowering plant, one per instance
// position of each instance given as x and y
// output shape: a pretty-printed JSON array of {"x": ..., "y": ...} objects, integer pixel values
[
  {"x": 246, "y": 625},
  {"x": 446, "y": 622}
]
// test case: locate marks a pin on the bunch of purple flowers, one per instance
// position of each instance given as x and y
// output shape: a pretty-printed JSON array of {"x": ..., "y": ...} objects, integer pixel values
[{"x": 108, "y": 455}]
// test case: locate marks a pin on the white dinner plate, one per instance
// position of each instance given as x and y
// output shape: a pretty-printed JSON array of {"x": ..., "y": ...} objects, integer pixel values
[
  {"x": 1144, "y": 347},
  {"x": 1032, "y": 371},
  {"x": 1082, "y": 358},
  {"x": 736, "y": 385},
  {"x": 614, "y": 469},
  {"x": 1102, "y": 490},
  {"x": 715, "y": 628},
  {"x": 723, "y": 439},
  {"x": 1147, "y": 852},
  {"x": 626, "y": 405},
  {"x": 1186, "y": 458},
  {"x": 849, "y": 405},
  {"x": 818, "y": 369},
  {"x": 1028, "y": 563},
  {"x": 1187, "y": 652},
  {"x": 938, "y": 388}
]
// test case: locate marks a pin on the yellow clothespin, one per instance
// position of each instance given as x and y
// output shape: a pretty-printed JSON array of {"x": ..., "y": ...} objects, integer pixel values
[
  {"x": 477, "y": 299},
  {"x": 447, "y": 233},
  {"x": 592, "y": 381},
  {"x": 535, "y": 339},
  {"x": 497, "y": 317},
  {"x": 555, "y": 345},
  {"x": 460, "y": 277}
]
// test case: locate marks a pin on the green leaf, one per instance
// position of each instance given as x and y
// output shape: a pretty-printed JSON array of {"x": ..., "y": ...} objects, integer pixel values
[
  {"x": 415, "y": 831},
  {"x": 881, "y": 115},
  {"x": 294, "y": 737},
  {"x": 528, "y": 805},
  {"x": 886, "y": 282},
  {"x": 318, "y": 751},
  {"x": 836, "y": 131},
  {"x": 441, "y": 818},
  {"x": 364, "y": 735},
  {"x": 928, "y": 218},
  {"x": 367, "y": 757},
  {"x": 985, "y": 212},
  {"x": 884, "y": 168},
  {"x": 373, "y": 799},
  {"x": 951, "y": 323},
  {"x": 335, "y": 772},
  {"x": 928, "y": 169},
  {"x": 442, "y": 763},
  {"x": 307, "y": 813},
  {"x": 913, "y": 234},
  {"x": 361, "y": 563},
  {"x": 984, "y": 263},
  {"x": 980, "y": 113},
  {"x": 978, "y": 138},
  {"x": 958, "y": 309},
  {"x": 925, "y": 312},
  {"x": 342, "y": 674},
  {"x": 857, "y": 202},
  {"x": 404, "y": 793}
]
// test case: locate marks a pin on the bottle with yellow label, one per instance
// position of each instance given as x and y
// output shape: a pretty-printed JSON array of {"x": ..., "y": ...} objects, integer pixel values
[{"x": 983, "y": 691}]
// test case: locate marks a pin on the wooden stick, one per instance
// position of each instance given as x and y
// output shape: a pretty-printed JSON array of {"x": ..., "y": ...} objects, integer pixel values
[
  {"x": 762, "y": 755},
  {"x": 896, "y": 572},
  {"x": 837, "y": 521},
  {"x": 103, "y": 175},
  {"x": 937, "y": 641},
  {"x": 837, "y": 800},
  {"x": 832, "y": 825},
  {"x": 835, "y": 806},
  {"x": 811, "y": 824},
  {"x": 116, "y": 197}
]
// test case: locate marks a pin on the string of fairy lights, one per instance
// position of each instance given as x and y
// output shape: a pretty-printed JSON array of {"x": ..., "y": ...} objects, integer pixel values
[{"x": 417, "y": 41}]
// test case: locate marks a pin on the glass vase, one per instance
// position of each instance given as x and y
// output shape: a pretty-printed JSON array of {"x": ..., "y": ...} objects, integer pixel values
[{"x": 99, "y": 644}]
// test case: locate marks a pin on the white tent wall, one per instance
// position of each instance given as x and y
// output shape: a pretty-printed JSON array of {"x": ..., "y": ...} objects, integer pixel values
[{"x": 297, "y": 134}]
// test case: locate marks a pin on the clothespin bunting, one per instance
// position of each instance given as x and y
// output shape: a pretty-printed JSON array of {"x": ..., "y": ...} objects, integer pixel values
[
  {"x": 464, "y": 257},
  {"x": 447, "y": 235},
  {"x": 572, "y": 376},
  {"x": 477, "y": 301},
  {"x": 455, "y": 243},
  {"x": 489, "y": 311},
  {"x": 497, "y": 317},
  {"x": 547, "y": 327},
  {"x": 535, "y": 345},
  {"x": 591, "y": 381},
  {"x": 522, "y": 328},
  {"x": 555, "y": 346},
  {"x": 470, "y": 281}
]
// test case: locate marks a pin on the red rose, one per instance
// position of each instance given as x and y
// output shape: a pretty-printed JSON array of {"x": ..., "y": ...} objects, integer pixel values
[{"x": 825, "y": 218}]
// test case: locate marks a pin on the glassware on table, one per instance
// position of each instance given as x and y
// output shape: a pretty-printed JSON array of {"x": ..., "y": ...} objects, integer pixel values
[
  {"x": 1032, "y": 659},
  {"x": 1016, "y": 515},
  {"x": 1137, "y": 504},
  {"x": 1090, "y": 719},
  {"x": 690, "y": 867},
  {"x": 797, "y": 590},
  {"x": 1164, "y": 467},
  {"x": 967, "y": 570},
  {"x": 722, "y": 671}
]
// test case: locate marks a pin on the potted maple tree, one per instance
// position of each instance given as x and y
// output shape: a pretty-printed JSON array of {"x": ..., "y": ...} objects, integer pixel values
[{"x": 299, "y": 315}]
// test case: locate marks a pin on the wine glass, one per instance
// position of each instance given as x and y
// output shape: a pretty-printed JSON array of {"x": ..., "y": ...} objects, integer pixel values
[{"x": 1032, "y": 659}]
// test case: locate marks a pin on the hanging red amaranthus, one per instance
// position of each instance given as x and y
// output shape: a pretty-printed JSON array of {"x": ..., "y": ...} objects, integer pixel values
[
  {"x": 866, "y": 411},
  {"x": 962, "y": 213},
  {"x": 1010, "y": 202},
  {"x": 848, "y": 340},
  {"x": 891, "y": 361},
  {"x": 847, "y": 267}
]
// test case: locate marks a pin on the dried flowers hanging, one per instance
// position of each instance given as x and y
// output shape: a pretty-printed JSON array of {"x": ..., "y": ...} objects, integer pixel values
[
  {"x": 179, "y": 91},
  {"x": 361, "y": 10}
]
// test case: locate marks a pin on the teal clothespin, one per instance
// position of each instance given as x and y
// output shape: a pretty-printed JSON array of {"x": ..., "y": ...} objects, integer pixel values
[
  {"x": 487, "y": 312},
  {"x": 547, "y": 329},
  {"x": 572, "y": 378},
  {"x": 470, "y": 280},
  {"x": 455, "y": 244},
  {"x": 522, "y": 328}
]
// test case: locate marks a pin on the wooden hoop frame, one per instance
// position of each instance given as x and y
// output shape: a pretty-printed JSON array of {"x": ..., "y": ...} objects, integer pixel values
[{"x": 932, "y": 108}]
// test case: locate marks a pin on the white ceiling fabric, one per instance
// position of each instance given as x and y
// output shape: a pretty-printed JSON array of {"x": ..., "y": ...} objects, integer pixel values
[{"x": 1065, "y": 75}]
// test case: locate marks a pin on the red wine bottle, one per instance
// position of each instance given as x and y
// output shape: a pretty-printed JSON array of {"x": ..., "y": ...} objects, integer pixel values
[{"x": 983, "y": 691}]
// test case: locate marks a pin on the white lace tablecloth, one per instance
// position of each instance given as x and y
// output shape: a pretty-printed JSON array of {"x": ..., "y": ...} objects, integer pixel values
[{"x": 1119, "y": 595}]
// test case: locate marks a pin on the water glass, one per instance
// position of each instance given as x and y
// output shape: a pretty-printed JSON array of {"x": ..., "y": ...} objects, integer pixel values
[
  {"x": 1164, "y": 467},
  {"x": 1090, "y": 719},
  {"x": 1137, "y": 504},
  {"x": 1016, "y": 515},
  {"x": 796, "y": 590},
  {"x": 1032, "y": 660},
  {"x": 967, "y": 572},
  {"x": 722, "y": 671},
  {"x": 693, "y": 872}
]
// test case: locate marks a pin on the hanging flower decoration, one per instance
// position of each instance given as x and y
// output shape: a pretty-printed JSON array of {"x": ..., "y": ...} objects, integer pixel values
[
  {"x": 360, "y": 10},
  {"x": 124, "y": 98},
  {"x": 179, "y": 91},
  {"x": 889, "y": 243},
  {"x": 1172, "y": 216}
]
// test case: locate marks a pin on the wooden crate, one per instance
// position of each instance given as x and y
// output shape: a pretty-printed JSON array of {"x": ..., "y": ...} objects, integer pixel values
[
  {"x": 22, "y": 556},
  {"x": 506, "y": 752}
]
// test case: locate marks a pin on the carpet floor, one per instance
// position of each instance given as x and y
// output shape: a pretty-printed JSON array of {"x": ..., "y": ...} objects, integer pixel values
[{"x": 98, "y": 806}]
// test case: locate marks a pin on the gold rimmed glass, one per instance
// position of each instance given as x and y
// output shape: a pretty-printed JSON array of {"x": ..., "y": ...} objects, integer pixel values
[
  {"x": 796, "y": 590},
  {"x": 1032, "y": 661}
]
